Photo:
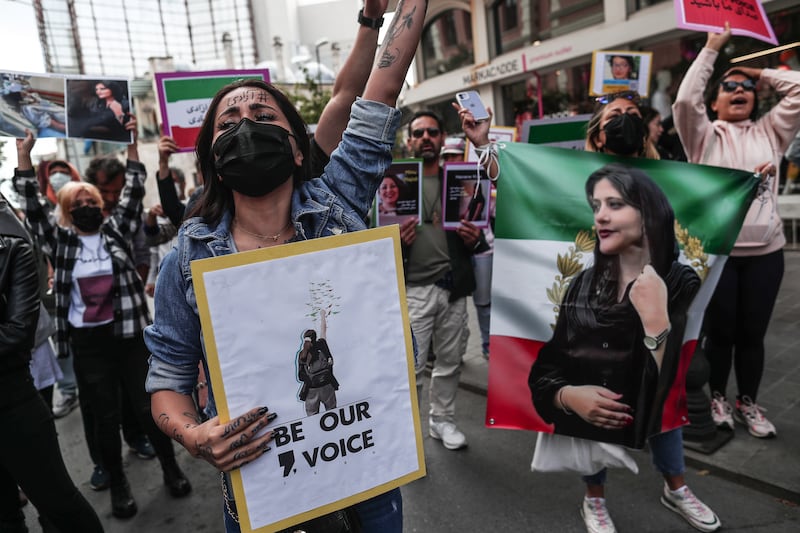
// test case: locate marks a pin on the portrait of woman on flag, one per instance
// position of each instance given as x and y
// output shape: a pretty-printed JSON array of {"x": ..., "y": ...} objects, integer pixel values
[{"x": 613, "y": 357}]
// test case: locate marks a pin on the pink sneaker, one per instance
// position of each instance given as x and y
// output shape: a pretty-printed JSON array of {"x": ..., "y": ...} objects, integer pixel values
[
  {"x": 749, "y": 414},
  {"x": 721, "y": 412}
]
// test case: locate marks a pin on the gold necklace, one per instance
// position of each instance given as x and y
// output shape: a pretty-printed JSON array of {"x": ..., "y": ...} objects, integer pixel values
[{"x": 274, "y": 238}]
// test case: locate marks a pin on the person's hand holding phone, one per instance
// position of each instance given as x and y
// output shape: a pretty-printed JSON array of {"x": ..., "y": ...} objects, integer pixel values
[{"x": 477, "y": 132}]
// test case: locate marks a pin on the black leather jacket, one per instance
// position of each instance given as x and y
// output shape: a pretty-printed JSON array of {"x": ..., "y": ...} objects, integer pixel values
[{"x": 19, "y": 294}]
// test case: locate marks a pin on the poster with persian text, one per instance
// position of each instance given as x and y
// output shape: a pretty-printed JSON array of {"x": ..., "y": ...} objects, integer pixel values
[
  {"x": 318, "y": 331},
  {"x": 184, "y": 97},
  {"x": 746, "y": 17}
]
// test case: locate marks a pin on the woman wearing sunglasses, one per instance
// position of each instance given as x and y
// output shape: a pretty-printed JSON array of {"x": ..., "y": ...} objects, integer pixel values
[{"x": 739, "y": 312}]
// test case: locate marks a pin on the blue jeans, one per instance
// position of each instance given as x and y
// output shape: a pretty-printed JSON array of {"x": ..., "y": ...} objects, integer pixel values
[
  {"x": 482, "y": 297},
  {"x": 67, "y": 385},
  {"x": 381, "y": 514},
  {"x": 666, "y": 452}
]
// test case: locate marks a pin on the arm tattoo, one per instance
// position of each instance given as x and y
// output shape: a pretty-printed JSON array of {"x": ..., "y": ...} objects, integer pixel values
[
  {"x": 194, "y": 417},
  {"x": 163, "y": 422},
  {"x": 406, "y": 22}
]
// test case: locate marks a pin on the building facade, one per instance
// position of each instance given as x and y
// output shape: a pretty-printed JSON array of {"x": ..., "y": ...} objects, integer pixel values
[{"x": 532, "y": 58}]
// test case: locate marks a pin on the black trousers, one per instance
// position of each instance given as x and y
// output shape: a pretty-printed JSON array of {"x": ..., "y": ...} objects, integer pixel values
[
  {"x": 104, "y": 364},
  {"x": 737, "y": 318},
  {"x": 30, "y": 456}
]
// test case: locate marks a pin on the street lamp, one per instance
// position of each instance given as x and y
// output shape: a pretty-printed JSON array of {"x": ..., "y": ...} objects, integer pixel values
[{"x": 320, "y": 42}]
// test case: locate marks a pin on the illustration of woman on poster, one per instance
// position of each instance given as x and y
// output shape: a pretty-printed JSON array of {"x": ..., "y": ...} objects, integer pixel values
[
  {"x": 606, "y": 372},
  {"x": 315, "y": 370}
]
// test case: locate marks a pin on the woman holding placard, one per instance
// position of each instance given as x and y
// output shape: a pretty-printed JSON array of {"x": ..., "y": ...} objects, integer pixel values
[{"x": 253, "y": 153}]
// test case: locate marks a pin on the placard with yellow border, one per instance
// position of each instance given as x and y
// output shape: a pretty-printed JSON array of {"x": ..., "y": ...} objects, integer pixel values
[{"x": 255, "y": 309}]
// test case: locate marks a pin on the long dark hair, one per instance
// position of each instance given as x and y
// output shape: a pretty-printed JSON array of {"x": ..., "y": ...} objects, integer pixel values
[
  {"x": 641, "y": 192},
  {"x": 713, "y": 91},
  {"x": 217, "y": 198},
  {"x": 114, "y": 87}
]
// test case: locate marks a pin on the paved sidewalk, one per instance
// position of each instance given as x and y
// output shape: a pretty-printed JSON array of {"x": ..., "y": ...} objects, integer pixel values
[{"x": 771, "y": 466}]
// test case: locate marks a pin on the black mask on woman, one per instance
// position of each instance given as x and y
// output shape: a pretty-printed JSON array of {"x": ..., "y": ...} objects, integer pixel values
[
  {"x": 625, "y": 134},
  {"x": 254, "y": 158},
  {"x": 87, "y": 218}
]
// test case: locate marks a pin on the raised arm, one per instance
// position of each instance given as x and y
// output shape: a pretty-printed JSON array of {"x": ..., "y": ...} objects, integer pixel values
[
  {"x": 478, "y": 134},
  {"x": 351, "y": 78},
  {"x": 127, "y": 214},
  {"x": 782, "y": 118},
  {"x": 37, "y": 213},
  {"x": 396, "y": 52},
  {"x": 323, "y": 325},
  {"x": 689, "y": 109},
  {"x": 172, "y": 206}
]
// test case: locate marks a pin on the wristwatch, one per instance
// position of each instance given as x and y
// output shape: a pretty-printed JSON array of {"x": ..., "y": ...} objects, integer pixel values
[
  {"x": 652, "y": 343},
  {"x": 369, "y": 22}
]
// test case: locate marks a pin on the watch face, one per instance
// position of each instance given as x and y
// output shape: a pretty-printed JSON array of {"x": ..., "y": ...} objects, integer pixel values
[{"x": 650, "y": 343}]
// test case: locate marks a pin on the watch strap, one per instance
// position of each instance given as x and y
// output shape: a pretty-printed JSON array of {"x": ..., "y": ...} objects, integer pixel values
[{"x": 369, "y": 22}]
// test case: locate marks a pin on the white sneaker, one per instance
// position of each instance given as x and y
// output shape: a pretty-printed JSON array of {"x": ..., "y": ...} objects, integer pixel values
[
  {"x": 721, "y": 412},
  {"x": 448, "y": 433},
  {"x": 65, "y": 405},
  {"x": 685, "y": 503},
  {"x": 596, "y": 517},
  {"x": 749, "y": 414}
]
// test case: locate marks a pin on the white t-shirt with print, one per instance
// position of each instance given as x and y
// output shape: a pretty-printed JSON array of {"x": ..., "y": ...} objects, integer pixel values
[{"x": 92, "y": 294}]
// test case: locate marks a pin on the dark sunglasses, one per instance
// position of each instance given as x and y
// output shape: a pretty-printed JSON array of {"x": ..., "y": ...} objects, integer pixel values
[
  {"x": 633, "y": 96},
  {"x": 730, "y": 85},
  {"x": 432, "y": 132}
]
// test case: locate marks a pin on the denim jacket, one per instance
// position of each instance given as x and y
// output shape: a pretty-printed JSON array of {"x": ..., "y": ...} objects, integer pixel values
[{"x": 336, "y": 202}]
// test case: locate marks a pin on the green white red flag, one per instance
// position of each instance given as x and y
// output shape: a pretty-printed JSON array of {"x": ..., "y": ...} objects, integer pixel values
[
  {"x": 544, "y": 236},
  {"x": 184, "y": 97}
]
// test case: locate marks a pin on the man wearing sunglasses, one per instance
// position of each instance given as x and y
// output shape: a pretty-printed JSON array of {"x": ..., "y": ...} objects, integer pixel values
[
  {"x": 439, "y": 277},
  {"x": 736, "y": 136}
]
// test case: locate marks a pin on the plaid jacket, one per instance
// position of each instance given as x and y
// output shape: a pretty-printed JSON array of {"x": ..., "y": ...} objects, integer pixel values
[{"x": 130, "y": 307}]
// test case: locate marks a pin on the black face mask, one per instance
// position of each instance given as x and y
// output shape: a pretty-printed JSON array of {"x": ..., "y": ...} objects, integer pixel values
[
  {"x": 87, "y": 218},
  {"x": 625, "y": 134},
  {"x": 253, "y": 158}
]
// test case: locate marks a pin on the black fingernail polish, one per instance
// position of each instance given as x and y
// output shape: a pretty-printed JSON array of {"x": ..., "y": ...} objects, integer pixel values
[
  {"x": 271, "y": 417},
  {"x": 262, "y": 410}
]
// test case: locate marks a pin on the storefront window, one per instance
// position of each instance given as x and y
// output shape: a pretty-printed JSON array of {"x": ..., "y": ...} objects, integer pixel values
[
  {"x": 518, "y": 23},
  {"x": 562, "y": 92},
  {"x": 447, "y": 43}
]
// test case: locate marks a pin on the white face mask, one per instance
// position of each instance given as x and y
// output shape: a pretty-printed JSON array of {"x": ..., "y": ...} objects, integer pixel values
[{"x": 58, "y": 180}]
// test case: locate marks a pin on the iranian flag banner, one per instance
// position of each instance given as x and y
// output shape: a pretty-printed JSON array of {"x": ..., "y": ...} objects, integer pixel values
[
  {"x": 184, "y": 98},
  {"x": 544, "y": 237}
]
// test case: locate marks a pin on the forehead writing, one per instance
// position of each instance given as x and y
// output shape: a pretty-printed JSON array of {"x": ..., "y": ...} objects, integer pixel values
[{"x": 247, "y": 96}]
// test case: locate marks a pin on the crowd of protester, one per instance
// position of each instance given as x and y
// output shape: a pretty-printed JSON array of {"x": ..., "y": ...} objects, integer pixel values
[{"x": 89, "y": 251}]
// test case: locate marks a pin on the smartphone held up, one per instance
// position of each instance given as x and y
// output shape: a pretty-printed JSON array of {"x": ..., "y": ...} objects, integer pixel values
[{"x": 471, "y": 100}]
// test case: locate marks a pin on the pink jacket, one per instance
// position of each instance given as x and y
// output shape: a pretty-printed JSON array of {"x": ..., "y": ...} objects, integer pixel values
[{"x": 741, "y": 145}]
